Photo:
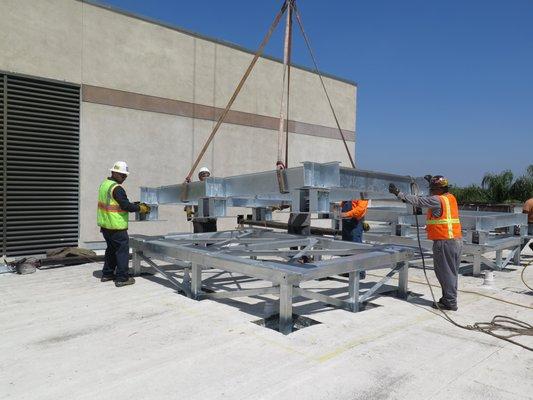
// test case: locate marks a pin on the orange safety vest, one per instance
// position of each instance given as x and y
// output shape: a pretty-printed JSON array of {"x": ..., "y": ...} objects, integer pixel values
[{"x": 448, "y": 225}]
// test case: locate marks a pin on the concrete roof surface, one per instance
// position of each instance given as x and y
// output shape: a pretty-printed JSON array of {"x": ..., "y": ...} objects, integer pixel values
[{"x": 66, "y": 335}]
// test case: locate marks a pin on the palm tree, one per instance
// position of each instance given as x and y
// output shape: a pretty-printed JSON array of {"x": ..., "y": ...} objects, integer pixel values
[
  {"x": 498, "y": 186},
  {"x": 522, "y": 188}
]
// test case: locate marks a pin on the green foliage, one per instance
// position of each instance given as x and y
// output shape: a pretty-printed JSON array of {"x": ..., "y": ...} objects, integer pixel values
[
  {"x": 522, "y": 188},
  {"x": 529, "y": 171},
  {"x": 470, "y": 194},
  {"x": 497, "y": 188}
]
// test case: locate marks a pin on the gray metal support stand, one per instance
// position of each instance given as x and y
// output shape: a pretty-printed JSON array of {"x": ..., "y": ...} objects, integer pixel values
[
  {"x": 516, "y": 258},
  {"x": 196, "y": 280},
  {"x": 403, "y": 280},
  {"x": 285, "y": 308},
  {"x": 498, "y": 260},
  {"x": 353, "y": 290},
  {"x": 136, "y": 262},
  {"x": 476, "y": 266}
]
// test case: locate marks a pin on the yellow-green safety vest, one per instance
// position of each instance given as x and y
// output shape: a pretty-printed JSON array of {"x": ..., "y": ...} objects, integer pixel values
[{"x": 109, "y": 215}]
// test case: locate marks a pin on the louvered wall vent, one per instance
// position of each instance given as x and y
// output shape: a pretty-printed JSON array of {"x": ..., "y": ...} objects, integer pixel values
[{"x": 39, "y": 143}]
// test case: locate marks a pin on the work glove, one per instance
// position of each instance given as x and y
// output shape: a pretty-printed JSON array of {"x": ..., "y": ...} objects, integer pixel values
[
  {"x": 190, "y": 213},
  {"x": 393, "y": 189},
  {"x": 144, "y": 208},
  {"x": 366, "y": 227}
]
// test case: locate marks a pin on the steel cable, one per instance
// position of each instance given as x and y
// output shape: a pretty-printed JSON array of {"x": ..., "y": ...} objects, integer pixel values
[{"x": 317, "y": 71}]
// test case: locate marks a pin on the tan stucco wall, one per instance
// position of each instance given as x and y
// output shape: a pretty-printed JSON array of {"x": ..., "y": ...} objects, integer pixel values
[{"x": 85, "y": 44}]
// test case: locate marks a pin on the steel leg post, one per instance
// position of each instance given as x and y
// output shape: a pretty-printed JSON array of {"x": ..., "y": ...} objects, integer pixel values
[
  {"x": 196, "y": 280},
  {"x": 353, "y": 289},
  {"x": 285, "y": 308},
  {"x": 499, "y": 259},
  {"x": 516, "y": 258},
  {"x": 136, "y": 263},
  {"x": 476, "y": 265},
  {"x": 403, "y": 280}
]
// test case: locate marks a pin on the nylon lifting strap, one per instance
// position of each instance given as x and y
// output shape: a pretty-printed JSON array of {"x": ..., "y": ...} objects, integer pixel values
[
  {"x": 446, "y": 221},
  {"x": 284, "y": 106},
  {"x": 317, "y": 71},
  {"x": 258, "y": 54}
]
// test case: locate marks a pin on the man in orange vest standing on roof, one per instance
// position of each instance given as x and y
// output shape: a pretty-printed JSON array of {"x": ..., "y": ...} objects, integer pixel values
[
  {"x": 112, "y": 218},
  {"x": 444, "y": 228},
  {"x": 353, "y": 213}
]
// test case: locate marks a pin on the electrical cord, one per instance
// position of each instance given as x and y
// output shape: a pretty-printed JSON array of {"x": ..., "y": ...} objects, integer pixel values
[
  {"x": 464, "y": 291},
  {"x": 513, "y": 326}
]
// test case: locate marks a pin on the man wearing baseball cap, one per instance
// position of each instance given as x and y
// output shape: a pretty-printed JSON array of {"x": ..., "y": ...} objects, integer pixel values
[{"x": 444, "y": 228}]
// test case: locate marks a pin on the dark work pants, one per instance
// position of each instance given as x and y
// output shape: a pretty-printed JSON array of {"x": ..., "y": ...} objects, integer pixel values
[
  {"x": 209, "y": 225},
  {"x": 117, "y": 254},
  {"x": 446, "y": 261},
  {"x": 352, "y": 230}
]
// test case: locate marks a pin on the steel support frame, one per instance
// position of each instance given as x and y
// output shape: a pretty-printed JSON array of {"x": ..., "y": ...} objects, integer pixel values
[{"x": 238, "y": 251}]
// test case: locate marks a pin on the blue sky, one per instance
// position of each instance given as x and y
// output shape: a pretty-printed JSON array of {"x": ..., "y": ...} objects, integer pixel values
[{"x": 444, "y": 87}]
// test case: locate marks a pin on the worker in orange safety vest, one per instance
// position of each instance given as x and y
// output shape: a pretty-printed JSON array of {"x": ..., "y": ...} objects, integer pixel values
[
  {"x": 444, "y": 228},
  {"x": 353, "y": 221}
]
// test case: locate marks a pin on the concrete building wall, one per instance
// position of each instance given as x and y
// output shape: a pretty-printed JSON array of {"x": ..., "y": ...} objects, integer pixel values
[{"x": 151, "y": 94}]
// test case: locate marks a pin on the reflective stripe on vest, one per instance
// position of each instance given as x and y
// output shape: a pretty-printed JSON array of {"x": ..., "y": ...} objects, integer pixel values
[
  {"x": 109, "y": 208},
  {"x": 109, "y": 214},
  {"x": 453, "y": 225}
]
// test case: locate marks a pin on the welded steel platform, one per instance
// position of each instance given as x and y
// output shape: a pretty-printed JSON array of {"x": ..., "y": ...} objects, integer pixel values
[{"x": 273, "y": 257}]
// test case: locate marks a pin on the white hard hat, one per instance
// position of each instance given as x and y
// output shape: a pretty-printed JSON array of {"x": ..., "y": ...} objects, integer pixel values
[
  {"x": 121, "y": 167},
  {"x": 204, "y": 169}
]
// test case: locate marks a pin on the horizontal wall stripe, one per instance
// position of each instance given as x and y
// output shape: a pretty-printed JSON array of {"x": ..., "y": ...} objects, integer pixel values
[{"x": 136, "y": 101}]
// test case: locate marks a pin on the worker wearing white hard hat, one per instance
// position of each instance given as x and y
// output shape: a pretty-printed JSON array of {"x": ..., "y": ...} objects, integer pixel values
[
  {"x": 204, "y": 173},
  {"x": 112, "y": 218},
  {"x": 120, "y": 167},
  {"x": 201, "y": 224}
]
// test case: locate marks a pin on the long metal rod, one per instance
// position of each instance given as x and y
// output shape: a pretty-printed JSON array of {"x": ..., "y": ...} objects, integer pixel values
[
  {"x": 324, "y": 298},
  {"x": 4, "y": 174},
  {"x": 173, "y": 281},
  {"x": 237, "y": 90},
  {"x": 308, "y": 44},
  {"x": 240, "y": 293},
  {"x": 378, "y": 285}
]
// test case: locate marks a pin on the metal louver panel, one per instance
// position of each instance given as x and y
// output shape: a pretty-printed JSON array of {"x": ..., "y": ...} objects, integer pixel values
[
  {"x": 3, "y": 161},
  {"x": 42, "y": 155}
]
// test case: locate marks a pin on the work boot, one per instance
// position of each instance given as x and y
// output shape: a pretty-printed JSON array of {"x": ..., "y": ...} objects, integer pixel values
[
  {"x": 443, "y": 306},
  {"x": 107, "y": 278},
  {"x": 130, "y": 281}
]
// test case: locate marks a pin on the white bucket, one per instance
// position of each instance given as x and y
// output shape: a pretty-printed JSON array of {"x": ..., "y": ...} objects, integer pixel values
[{"x": 489, "y": 278}]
